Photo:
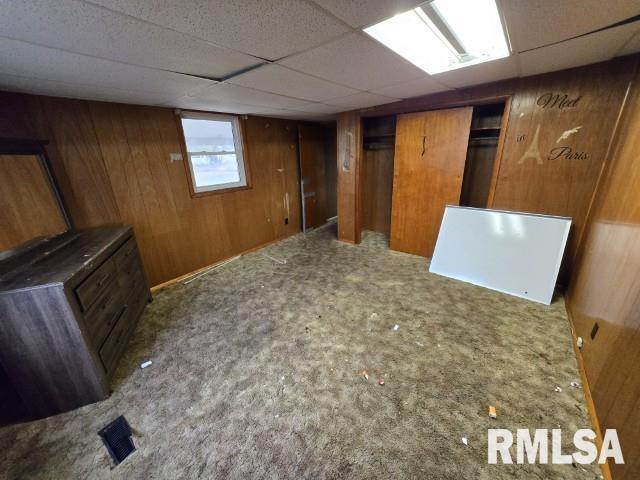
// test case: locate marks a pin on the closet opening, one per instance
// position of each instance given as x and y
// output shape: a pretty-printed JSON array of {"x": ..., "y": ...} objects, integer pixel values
[
  {"x": 481, "y": 167},
  {"x": 379, "y": 135}
]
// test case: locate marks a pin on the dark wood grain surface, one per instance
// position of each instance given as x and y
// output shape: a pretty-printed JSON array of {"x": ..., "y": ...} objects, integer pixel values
[
  {"x": 59, "y": 259},
  {"x": 68, "y": 307}
]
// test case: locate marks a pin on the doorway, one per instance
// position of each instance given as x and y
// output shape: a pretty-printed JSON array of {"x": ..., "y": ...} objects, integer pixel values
[
  {"x": 318, "y": 173},
  {"x": 379, "y": 135}
]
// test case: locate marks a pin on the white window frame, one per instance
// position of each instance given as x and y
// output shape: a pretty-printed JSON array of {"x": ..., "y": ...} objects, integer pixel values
[{"x": 237, "y": 143}]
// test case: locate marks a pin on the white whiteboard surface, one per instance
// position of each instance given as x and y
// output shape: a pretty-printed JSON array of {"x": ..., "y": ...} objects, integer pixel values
[{"x": 511, "y": 252}]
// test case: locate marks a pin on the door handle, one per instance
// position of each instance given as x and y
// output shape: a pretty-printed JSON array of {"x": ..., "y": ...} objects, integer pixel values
[{"x": 424, "y": 145}]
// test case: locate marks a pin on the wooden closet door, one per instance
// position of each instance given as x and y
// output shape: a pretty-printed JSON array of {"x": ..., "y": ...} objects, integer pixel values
[{"x": 431, "y": 149}]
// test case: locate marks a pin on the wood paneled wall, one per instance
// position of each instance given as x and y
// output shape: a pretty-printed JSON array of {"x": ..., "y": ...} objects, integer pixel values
[
  {"x": 605, "y": 291},
  {"x": 349, "y": 144},
  {"x": 113, "y": 164},
  {"x": 561, "y": 178}
]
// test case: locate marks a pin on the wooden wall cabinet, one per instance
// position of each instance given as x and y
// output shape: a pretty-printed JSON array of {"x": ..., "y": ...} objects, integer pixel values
[{"x": 68, "y": 305}]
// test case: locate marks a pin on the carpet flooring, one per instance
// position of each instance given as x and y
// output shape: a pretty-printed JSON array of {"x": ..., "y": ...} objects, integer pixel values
[{"x": 257, "y": 373}]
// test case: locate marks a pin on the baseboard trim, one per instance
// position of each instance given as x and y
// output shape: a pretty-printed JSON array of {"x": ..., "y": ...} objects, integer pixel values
[
  {"x": 173, "y": 281},
  {"x": 591, "y": 408}
]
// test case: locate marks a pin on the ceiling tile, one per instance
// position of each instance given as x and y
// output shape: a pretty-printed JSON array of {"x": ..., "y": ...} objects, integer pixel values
[
  {"x": 361, "y": 13},
  {"x": 414, "y": 88},
  {"x": 277, "y": 79},
  {"x": 486, "y": 72},
  {"x": 632, "y": 46},
  {"x": 592, "y": 48},
  {"x": 356, "y": 61},
  {"x": 311, "y": 111},
  {"x": 213, "y": 105},
  {"x": 28, "y": 60},
  {"x": 360, "y": 100},
  {"x": 294, "y": 115},
  {"x": 534, "y": 23},
  {"x": 268, "y": 29},
  {"x": 83, "y": 28},
  {"x": 318, "y": 108},
  {"x": 52, "y": 88},
  {"x": 234, "y": 93}
]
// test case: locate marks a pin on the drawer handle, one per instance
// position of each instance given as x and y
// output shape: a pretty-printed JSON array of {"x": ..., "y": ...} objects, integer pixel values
[
  {"x": 113, "y": 319},
  {"x": 105, "y": 303},
  {"x": 118, "y": 315}
]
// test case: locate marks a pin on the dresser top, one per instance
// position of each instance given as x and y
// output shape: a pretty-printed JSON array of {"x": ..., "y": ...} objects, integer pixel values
[{"x": 60, "y": 258}]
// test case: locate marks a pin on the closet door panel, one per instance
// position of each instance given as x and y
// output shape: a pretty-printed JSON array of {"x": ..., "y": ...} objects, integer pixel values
[{"x": 430, "y": 153}]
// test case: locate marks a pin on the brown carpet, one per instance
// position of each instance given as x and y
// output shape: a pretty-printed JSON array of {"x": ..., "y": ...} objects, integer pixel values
[{"x": 257, "y": 374}]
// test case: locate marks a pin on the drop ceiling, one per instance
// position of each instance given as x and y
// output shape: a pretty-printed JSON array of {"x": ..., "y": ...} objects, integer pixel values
[{"x": 298, "y": 59}]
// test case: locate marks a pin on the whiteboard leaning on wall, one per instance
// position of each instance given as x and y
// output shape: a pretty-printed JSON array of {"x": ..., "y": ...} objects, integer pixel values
[{"x": 512, "y": 252}]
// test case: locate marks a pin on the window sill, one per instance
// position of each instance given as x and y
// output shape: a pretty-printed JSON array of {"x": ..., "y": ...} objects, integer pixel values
[{"x": 218, "y": 192}]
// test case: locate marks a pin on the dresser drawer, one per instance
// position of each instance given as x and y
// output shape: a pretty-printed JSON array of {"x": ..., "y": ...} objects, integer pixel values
[
  {"x": 132, "y": 281},
  {"x": 104, "y": 312},
  {"x": 126, "y": 255},
  {"x": 89, "y": 290},
  {"x": 116, "y": 341}
]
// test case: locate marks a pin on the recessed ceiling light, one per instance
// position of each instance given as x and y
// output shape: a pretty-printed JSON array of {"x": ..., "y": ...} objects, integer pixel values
[{"x": 443, "y": 35}]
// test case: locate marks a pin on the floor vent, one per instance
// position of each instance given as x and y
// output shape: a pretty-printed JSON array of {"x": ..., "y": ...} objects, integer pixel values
[{"x": 117, "y": 438}]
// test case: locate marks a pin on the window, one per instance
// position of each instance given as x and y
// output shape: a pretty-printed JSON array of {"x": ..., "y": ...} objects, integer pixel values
[{"x": 214, "y": 151}]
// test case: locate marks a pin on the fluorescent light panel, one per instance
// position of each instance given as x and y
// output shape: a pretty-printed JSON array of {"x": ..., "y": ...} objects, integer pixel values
[{"x": 475, "y": 24}]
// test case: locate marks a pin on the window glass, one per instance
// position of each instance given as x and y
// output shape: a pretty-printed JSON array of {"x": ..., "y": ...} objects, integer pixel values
[{"x": 214, "y": 157}]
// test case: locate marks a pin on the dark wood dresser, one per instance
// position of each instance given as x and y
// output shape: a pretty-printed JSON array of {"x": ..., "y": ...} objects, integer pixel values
[{"x": 68, "y": 306}]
